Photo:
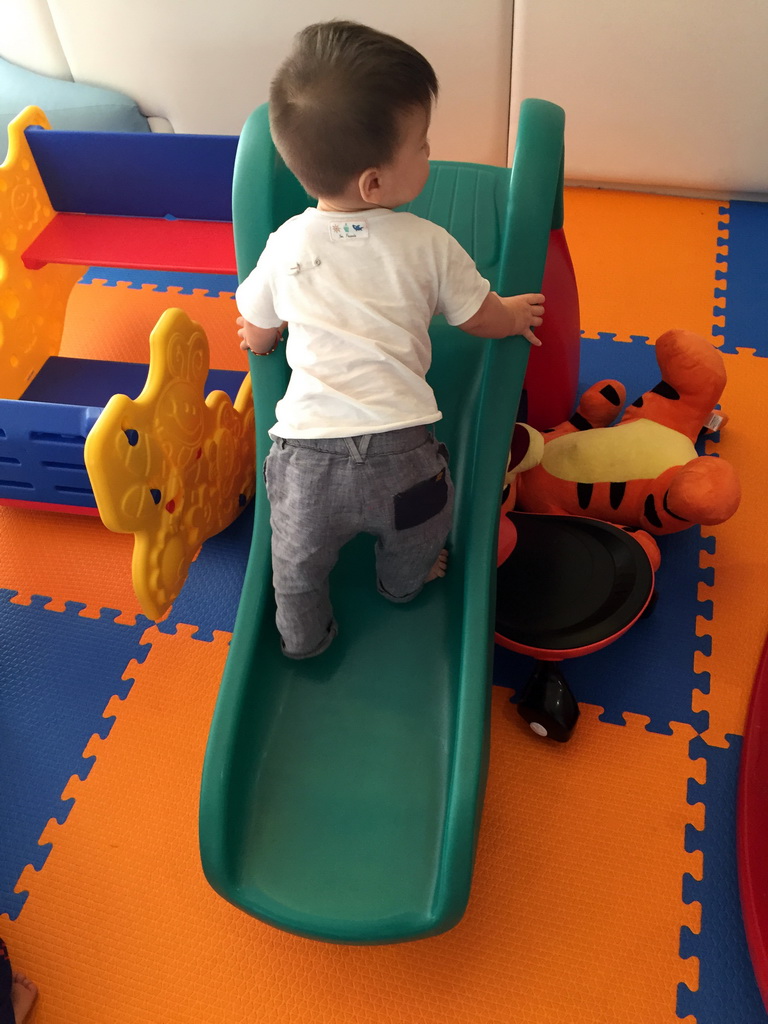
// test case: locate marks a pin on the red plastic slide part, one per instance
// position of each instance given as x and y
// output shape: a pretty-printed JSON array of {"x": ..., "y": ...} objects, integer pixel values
[
  {"x": 752, "y": 826},
  {"x": 143, "y": 243},
  {"x": 552, "y": 378}
]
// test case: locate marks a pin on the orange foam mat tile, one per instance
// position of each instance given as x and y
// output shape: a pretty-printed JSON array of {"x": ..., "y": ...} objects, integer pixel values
[
  {"x": 114, "y": 322},
  {"x": 740, "y": 561},
  {"x": 644, "y": 263},
  {"x": 67, "y": 558},
  {"x": 575, "y": 914}
]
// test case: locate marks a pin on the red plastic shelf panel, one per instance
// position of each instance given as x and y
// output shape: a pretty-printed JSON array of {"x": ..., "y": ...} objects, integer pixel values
[{"x": 143, "y": 243}]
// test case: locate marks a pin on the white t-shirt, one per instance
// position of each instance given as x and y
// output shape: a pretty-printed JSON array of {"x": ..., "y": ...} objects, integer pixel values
[{"x": 358, "y": 294}]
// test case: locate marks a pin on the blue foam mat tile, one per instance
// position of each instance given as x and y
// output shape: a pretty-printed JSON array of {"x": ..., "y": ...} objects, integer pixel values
[
  {"x": 727, "y": 989},
  {"x": 746, "y": 297},
  {"x": 631, "y": 362},
  {"x": 721, "y": 275},
  {"x": 58, "y": 671},
  {"x": 210, "y": 597},
  {"x": 213, "y": 284}
]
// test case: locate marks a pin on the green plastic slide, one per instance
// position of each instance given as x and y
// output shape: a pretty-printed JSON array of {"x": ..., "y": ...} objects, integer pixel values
[{"x": 341, "y": 796}]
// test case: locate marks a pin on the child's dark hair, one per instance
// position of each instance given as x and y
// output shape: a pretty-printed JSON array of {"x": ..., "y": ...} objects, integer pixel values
[{"x": 336, "y": 102}]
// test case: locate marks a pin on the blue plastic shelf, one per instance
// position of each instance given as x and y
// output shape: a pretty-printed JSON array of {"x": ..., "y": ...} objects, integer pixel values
[{"x": 42, "y": 435}]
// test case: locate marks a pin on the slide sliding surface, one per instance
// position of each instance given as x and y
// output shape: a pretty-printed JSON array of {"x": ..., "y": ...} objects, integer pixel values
[{"x": 341, "y": 796}]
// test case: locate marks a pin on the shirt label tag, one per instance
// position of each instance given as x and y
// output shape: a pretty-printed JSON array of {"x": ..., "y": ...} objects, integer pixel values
[{"x": 348, "y": 230}]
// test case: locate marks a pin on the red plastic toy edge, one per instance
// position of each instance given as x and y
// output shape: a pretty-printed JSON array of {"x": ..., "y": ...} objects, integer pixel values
[
  {"x": 44, "y": 506},
  {"x": 752, "y": 826},
  {"x": 542, "y": 654}
]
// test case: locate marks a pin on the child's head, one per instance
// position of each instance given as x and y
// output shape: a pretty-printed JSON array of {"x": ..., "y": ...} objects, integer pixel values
[{"x": 349, "y": 99}]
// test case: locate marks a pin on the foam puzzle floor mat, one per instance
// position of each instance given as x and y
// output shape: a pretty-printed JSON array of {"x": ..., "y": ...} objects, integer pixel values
[{"x": 605, "y": 887}]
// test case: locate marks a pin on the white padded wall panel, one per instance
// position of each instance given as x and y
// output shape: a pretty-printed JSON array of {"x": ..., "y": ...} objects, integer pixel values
[
  {"x": 28, "y": 37},
  {"x": 659, "y": 93},
  {"x": 205, "y": 64}
]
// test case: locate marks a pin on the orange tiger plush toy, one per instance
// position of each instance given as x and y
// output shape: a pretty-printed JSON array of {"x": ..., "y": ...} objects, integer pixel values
[{"x": 644, "y": 472}]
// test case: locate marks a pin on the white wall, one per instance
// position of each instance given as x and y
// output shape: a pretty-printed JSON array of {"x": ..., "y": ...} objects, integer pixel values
[
  {"x": 28, "y": 37},
  {"x": 662, "y": 93},
  {"x": 205, "y": 64}
]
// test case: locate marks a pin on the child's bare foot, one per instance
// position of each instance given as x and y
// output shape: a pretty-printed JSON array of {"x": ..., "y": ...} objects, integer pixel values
[
  {"x": 440, "y": 567},
  {"x": 23, "y": 996}
]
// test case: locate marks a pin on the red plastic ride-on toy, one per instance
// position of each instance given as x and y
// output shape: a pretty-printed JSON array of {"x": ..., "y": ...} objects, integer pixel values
[{"x": 566, "y": 586}]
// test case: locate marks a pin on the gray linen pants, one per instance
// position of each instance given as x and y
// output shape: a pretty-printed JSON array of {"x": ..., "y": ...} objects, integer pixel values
[{"x": 322, "y": 493}]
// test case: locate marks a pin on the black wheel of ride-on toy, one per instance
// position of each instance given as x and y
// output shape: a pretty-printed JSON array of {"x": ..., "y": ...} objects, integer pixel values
[{"x": 547, "y": 703}]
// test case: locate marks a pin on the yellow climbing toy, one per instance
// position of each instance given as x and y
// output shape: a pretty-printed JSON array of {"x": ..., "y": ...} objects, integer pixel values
[
  {"x": 171, "y": 466},
  {"x": 32, "y": 302}
]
